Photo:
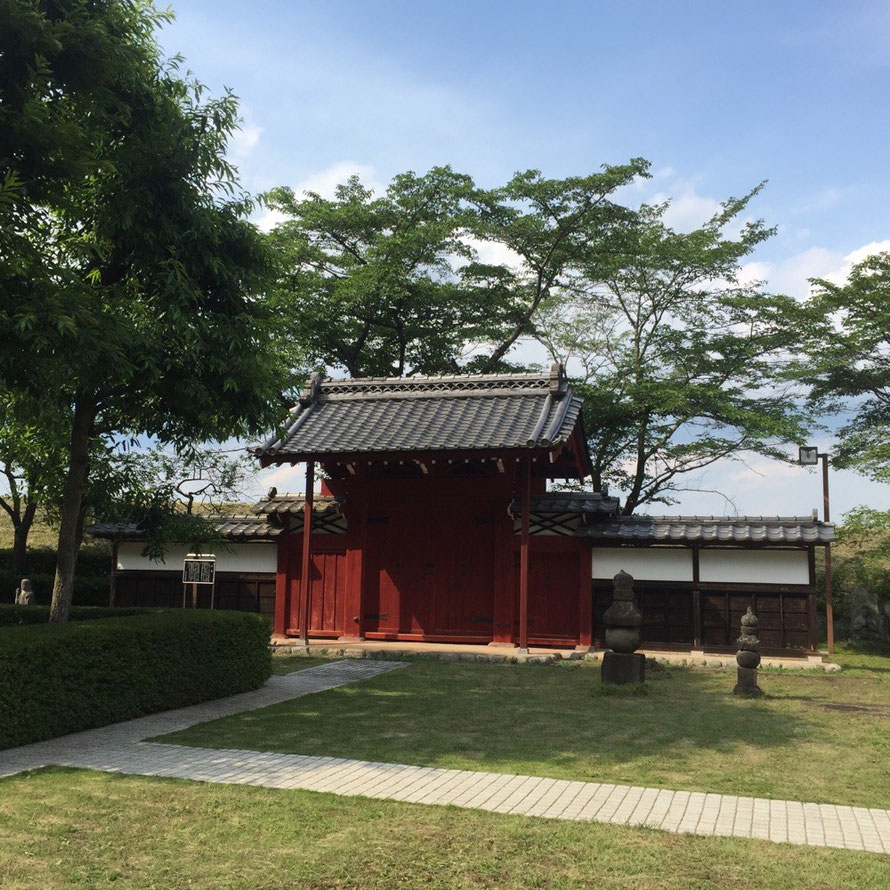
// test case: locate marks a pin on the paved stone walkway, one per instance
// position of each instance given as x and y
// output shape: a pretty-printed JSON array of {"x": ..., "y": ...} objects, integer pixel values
[{"x": 120, "y": 748}]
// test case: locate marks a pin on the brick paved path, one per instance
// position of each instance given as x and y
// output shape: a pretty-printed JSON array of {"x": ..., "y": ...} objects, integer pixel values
[{"x": 119, "y": 748}]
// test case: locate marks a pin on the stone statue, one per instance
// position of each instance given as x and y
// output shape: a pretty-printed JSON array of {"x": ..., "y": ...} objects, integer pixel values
[
  {"x": 748, "y": 656},
  {"x": 24, "y": 595},
  {"x": 869, "y": 618},
  {"x": 622, "y": 619}
]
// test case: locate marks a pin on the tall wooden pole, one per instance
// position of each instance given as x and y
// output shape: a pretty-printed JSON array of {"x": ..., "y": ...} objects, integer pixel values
[
  {"x": 307, "y": 540},
  {"x": 826, "y": 512},
  {"x": 525, "y": 482}
]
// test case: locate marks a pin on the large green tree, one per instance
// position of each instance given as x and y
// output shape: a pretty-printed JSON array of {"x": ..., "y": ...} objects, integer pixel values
[
  {"x": 677, "y": 357},
  {"x": 435, "y": 275},
  {"x": 848, "y": 366},
  {"x": 132, "y": 284}
]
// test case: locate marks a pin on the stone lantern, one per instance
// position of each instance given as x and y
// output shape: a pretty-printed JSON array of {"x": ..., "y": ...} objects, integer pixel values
[{"x": 622, "y": 619}]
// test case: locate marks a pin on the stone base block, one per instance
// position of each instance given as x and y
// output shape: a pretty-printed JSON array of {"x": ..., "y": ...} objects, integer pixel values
[
  {"x": 623, "y": 667},
  {"x": 747, "y": 683}
]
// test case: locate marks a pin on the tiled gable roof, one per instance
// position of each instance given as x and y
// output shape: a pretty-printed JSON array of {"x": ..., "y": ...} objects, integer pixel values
[{"x": 396, "y": 415}]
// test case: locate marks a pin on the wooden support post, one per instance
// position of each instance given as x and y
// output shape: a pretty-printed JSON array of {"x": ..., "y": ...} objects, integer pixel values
[
  {"x": 812, "y": 620},
  {"x": 696, "y": 600},
  {"x": 307, "y": 552},
  {"x": 112, "y": 587},
  {"x": 826, "y": 511},
  {"x": 525, "y": 483}
]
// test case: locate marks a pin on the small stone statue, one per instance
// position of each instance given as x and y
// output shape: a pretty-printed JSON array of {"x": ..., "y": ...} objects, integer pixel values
[
  {"x": 748, "y": 656},
  {"x": 24, "y": 595},
  {"x": 623, "y": 620}
]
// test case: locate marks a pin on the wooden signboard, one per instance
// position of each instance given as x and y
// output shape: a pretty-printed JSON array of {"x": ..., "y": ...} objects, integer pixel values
[{"x": 198, "y": 568}]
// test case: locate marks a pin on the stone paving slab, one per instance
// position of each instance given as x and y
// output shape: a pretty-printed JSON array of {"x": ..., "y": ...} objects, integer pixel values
[
  {"x": 276, "y": 689},
  {"x": 121, "y": 748}
]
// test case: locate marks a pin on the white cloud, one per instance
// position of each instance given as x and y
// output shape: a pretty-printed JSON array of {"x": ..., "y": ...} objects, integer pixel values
[
  {"x": 842, "y": 273},
  {"x": 243, "y": 141},
  {"x": 324, "y": 182},
  {"x": 791, "y": 276},
  {"x": 688, "y": 210},
  {"x": 494, "y": 253},
  {"x": 268, "y": 219},
  {"x": 755, "y": 271},
  {"x": 285, "y": 478}
]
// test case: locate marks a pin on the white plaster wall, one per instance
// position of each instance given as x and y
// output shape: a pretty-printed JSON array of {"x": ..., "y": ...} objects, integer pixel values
[
  {"x": 754, "y": 566},
  {"x": 261, "y": 556},
  {"x": 649, "y": 564}
]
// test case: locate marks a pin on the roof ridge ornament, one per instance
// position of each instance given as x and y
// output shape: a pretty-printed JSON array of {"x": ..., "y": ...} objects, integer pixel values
[
  {"x": 559, "y": 381},
  {"x": 310, "y": 394}
]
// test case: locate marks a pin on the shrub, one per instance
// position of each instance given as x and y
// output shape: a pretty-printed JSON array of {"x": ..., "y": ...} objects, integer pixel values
[
  {"x": 61, "y": 678},
  {"x": 11, "y": 614}
]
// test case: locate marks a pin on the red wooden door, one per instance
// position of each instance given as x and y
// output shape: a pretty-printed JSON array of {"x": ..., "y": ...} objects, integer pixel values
[
  {"x": 464, "y": 579},
  {"x": 553, "y": 597},
  {"x": 399, "y": 576},
  {"x": 327, "y": 588}
]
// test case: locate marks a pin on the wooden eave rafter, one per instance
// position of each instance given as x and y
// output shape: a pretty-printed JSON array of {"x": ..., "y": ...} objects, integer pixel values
[{"x": 542, "y": 465}]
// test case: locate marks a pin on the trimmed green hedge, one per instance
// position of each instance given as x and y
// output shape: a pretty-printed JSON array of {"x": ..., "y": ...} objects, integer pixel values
[
  {"x": 11, "y": 614},
  {"x": 61, "y": 678}
]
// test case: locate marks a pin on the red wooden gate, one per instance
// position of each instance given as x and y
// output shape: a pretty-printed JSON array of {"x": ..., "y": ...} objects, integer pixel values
[{"x": 430, "y": 577}]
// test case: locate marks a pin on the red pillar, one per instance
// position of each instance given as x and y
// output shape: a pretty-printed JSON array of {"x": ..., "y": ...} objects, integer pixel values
[
  {"x": 525, "y": 484},
  {"x": 585, "y": 611},
  {"x": 282, "y": 581},
  {"x": 307, "y": 552}
]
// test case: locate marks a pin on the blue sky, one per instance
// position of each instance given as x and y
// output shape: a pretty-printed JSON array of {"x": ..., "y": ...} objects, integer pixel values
[{"x": 718, "y": 96}]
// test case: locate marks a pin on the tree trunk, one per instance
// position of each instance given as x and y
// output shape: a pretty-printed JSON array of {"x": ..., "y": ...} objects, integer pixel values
[
  {"x": 71, "y": 523},
  {"x": 20, "y": 538}
]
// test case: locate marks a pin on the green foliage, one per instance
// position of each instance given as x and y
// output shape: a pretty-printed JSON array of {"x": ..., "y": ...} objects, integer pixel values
[
  {"x": 848, "y": 366},
  {"x": 13, "y": 615},
  {"x": 435, "y": 275},
  {"x": 172, "y": 496},
  {"x": 678, "y": 355},
  {"x": 132, "y": 294},
  {"x": 60, "y": 678},
  {"x": 861, "y": 558}
]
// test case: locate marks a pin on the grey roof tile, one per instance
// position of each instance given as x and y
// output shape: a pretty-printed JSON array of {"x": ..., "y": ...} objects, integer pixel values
[
  {"x": 294, "y": 504},
  {"x": 581, "y": 502},
  {"x": 391, "y": 415},
  {"x": 235, "y": 528},
  {"x": 711, "y": 529}
]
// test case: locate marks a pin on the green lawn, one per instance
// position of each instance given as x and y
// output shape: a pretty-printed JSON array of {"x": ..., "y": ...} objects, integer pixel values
[
  {"x": 815, "y": 736},
  {"x": 69, "y": 828}
]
